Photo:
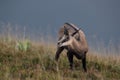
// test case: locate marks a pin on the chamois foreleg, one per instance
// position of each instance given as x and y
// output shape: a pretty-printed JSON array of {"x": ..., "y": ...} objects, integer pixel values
[
  {"x": 59, "y": 50},
  {"x": 84, "y": 63},
  {"x": 70, "y": 58}
]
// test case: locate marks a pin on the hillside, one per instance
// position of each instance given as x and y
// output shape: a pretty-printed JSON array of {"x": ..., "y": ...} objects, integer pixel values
[{"x": 26, "y": 60}]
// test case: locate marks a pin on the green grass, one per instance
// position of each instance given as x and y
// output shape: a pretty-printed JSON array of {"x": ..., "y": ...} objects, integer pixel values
[{"x": 36, "y": 62}]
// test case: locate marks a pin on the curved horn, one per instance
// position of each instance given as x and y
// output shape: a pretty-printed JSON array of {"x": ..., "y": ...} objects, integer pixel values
[{"x": 73, "y": 26}]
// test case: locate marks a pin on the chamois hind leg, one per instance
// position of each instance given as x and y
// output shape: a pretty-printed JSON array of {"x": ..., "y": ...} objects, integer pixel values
[
  {"x": 70, "y": 58},
  {"x": 82, "y": 56},
  {"x": 84, "y": 63}
]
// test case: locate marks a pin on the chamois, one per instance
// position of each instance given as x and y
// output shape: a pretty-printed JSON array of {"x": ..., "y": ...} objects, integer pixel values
[{"x": 74, "y": 41}]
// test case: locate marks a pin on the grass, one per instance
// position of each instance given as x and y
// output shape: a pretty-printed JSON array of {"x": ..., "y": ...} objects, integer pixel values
[{"x": 36, "y": 62}]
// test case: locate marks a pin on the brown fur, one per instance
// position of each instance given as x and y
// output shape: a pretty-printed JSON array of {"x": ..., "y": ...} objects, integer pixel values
[{"x": 76, "y": 45}]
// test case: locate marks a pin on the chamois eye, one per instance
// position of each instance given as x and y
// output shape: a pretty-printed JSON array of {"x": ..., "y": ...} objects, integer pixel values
[{"x": 67, "y": 38}]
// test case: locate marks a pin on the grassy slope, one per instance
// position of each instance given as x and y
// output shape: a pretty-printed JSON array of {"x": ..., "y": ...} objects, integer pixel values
[{"x": 37, "y": 63}]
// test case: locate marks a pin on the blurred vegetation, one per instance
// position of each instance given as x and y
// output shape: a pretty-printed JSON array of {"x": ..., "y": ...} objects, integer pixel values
[{"x": 26, "y": 60}]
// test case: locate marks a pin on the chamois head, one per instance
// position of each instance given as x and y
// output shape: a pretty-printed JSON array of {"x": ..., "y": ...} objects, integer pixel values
[{"x": 65, "y": 38}]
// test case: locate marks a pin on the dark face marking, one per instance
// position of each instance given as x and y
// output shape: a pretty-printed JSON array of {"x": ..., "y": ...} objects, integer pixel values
[{"x": 63, "y": 39}]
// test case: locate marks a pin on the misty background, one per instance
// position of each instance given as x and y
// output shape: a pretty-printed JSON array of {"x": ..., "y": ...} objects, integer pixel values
[{"x": 99, "y": 19}]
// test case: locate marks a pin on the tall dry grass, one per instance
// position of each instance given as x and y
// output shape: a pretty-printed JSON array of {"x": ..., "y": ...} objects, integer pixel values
[
  {"x": 37, "y": 63},
  {"x": 23, "y": 59}
]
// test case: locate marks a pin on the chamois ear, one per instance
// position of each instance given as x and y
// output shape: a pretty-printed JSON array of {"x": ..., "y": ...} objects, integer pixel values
[{"x": 66, "y": 31}]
